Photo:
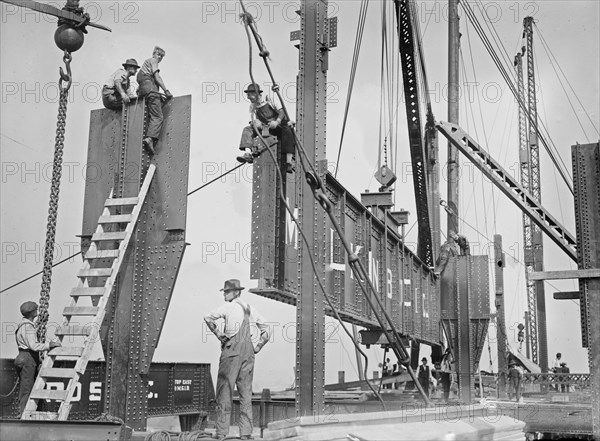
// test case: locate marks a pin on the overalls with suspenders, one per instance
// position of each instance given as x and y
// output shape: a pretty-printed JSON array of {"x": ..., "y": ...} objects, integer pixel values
[{"x": 236, "y": 368}]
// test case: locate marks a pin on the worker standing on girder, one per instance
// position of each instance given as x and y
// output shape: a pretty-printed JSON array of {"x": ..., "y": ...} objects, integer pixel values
[
  {"x": 150, "y": 82},
  {"x": 28, "y": 360},
  {"x": 266, "y": 114},
  {"x": 118, "y": 89},
  {"x": 236, "y": 365}
]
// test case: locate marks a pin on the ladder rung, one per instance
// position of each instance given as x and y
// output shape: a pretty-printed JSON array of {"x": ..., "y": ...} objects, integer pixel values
[
  {"x": 118, "y": 235},
  {"x": 48, "y": 394},
  {"x": 57, "y": 373},
  {"x": 102, "y": 254},
  {"x": 67, "y": 351},
  {"x": 39, "y": 416},
  {"x": 113, "y": 202},
  {"x": 115, "y": 219},
  {"x": 73, "y": 330},
  {"x": 80, "y": 310},
  {"x": 95, "y": 272},
  {"x": 85, "y": 291}
]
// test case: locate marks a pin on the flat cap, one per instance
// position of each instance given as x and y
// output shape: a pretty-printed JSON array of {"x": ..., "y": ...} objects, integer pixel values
[{"x": 28, "y": 307}]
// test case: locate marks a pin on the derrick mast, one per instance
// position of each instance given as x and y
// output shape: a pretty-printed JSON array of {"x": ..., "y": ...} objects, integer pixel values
[
  {"x": 531, "y": 340},
  {"x": 533, "y": 242}
]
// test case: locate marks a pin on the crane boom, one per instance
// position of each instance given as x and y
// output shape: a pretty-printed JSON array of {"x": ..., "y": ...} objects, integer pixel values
[
  {"x": 510, "y": 187},
  {"x": 408, "y": 60}
]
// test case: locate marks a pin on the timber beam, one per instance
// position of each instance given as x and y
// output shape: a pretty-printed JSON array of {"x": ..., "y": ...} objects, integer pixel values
[{"x": 568, "y": 274}]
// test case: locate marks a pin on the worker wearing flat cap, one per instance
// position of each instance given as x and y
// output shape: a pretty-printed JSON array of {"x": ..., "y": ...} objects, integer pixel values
[
  {"x": 28, "y": 360},
  {"x": 118, "y": 89},
  {"x": 236, "y": 365}
]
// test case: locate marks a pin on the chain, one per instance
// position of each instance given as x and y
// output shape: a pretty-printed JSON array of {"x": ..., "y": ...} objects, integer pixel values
[
  {"x": 385, "y": 151},
  {"x": 64, "y": 83}
]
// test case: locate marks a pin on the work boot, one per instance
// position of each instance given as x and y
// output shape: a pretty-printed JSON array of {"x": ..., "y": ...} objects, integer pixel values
[
  {"x": 148, "y": 144},
  {"x": 246, "y": 157}
]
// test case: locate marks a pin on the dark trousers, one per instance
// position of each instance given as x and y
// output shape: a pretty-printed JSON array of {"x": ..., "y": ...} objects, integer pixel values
[
  {"x": 111, "y": 99},
  {"x": 155, "y": 113},
  {"x": 26, "y": 365},
  {"x": 514, "y": 388},
  {"x": 283, "y": 132},
  {"x": 424, "y": 382},
  {"x": 446, "y": 382}
]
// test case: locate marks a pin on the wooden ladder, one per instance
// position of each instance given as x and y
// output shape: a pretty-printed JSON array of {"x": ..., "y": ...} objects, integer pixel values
[{"x": 101, "y": 265}]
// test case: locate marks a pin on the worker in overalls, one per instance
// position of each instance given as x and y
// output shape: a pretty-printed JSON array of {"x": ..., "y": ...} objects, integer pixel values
[
  {"x": 28, "y": 360},
  {"x": 236, "y": 365},
  {"x": 149, "y": 84}
]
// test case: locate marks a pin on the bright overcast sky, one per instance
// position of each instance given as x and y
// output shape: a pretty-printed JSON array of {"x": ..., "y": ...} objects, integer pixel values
[{"x": 207, "y": 57}]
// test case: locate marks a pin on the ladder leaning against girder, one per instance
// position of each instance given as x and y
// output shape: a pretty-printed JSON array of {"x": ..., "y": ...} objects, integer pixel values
[{"x": 96, "y": 281}]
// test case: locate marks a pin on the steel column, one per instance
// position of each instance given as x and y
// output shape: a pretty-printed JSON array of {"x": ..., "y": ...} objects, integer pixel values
[
  {"x": 453, "y": 113},
  {"x": 500, "y": 318},
  {"x": 310, "y": 316},
  {"x": 586, "y": 174}
]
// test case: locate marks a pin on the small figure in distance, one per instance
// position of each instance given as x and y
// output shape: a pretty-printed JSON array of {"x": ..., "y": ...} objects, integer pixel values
[{"x": 118, "y": 90}]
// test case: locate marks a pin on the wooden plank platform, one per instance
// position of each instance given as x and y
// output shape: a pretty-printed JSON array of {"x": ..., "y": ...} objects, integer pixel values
[{"x": 414, "y": 422}]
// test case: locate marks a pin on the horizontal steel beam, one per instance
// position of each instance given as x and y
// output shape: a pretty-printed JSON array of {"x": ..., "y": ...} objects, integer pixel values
[
  {"x": 59, "y": 430},
  {"x": 568, "y": 274},
  {"x": 510, "y": 187},
  {"x": 566, "y": 295}
]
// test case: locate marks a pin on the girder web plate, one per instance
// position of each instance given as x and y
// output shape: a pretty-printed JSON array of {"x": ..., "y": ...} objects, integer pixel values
[
  {"x": 141, "y": 298},
  {"x": 405, "y": 285}
]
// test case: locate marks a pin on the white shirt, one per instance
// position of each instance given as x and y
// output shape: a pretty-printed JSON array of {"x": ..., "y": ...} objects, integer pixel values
[
  {"x": 27, "y": 338},
  {"x": 556, "y": 363},
  {"x": 233, "y": 315},
  {"x": 120, "y": 76}
]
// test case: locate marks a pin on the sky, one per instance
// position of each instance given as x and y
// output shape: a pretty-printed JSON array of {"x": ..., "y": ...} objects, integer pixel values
[{"x": 207, "y": 58}]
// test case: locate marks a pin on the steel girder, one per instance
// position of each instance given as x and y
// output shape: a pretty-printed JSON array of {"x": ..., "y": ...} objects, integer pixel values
[
  {"x": 141, "y": 298},
  {"x": 465, "y": 314}
]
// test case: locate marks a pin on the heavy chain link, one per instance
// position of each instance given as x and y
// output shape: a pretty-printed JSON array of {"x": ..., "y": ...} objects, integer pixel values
[{"x": 64, "y": 85}]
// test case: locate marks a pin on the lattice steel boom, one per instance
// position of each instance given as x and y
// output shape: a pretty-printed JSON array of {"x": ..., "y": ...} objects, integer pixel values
[{"x": 510, "y": 187}]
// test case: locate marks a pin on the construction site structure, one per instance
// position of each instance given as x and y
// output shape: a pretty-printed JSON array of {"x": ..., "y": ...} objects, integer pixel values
[{"x": 532, "y": 235}]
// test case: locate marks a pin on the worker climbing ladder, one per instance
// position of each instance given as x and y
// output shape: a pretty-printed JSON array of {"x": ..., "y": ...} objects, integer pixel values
[{"x": 101, "y": 266}]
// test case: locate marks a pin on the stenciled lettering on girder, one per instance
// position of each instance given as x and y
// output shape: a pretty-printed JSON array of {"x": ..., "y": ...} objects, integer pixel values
[
  {"x": 425, "y": 306},
  {"x": 406, "y": 287},
  {"x": 337, "y": 266},
  {"x": 291, "y": 229},
  {"x": 389, "y": 283},
  {"x": 373, "y": 271},
  {"x": 333, "y": 265}
]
